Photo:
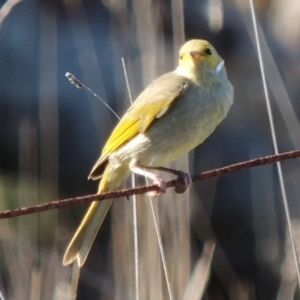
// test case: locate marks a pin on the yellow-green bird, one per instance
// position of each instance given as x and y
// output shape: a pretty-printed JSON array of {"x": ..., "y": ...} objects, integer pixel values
[{"x": 173, "y": 115}]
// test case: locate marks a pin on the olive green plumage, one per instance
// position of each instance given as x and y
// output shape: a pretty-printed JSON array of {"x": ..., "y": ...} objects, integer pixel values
[{"x": 173, "y": 115}]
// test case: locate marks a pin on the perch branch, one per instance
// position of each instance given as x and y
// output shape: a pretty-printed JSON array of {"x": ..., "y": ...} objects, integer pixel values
[{"x": 143, "y": 189}]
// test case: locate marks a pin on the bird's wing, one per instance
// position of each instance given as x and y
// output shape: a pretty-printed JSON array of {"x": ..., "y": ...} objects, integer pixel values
[{"x": 151, "y": 104}]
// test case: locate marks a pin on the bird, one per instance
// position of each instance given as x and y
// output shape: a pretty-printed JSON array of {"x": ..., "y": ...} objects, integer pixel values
[{"x": 174, "y": 114}]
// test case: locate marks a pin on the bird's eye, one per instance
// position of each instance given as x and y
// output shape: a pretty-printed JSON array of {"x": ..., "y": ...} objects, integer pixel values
[{"x": 208, "y": 51}]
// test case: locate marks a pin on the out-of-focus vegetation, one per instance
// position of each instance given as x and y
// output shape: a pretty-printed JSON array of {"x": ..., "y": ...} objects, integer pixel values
[{"x": 51, "y": 134}]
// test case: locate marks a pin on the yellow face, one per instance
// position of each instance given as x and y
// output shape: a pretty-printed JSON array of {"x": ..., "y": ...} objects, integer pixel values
[{"x": 197, "y": 57}]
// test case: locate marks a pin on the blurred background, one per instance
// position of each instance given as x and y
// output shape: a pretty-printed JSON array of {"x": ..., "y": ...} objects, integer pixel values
[{"x": 226, "y": 238}]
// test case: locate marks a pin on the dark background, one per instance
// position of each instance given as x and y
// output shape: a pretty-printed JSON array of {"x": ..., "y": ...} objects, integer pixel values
[{"x": 51, "y": 134}]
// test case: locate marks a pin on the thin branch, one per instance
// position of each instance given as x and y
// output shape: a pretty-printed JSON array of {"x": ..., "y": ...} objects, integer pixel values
[
  {"x": 73, "y": 80},
  {"x": 143, "y": 189}
]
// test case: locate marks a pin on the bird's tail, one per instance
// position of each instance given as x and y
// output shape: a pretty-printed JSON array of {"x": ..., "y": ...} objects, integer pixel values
[{"x": 81, "y": 243}]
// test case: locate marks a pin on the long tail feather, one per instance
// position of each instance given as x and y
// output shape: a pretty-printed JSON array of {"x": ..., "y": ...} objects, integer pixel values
[{"x": 85, "y": 235}]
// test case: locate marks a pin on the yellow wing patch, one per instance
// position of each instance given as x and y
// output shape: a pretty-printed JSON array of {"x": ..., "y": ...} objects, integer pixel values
[{"x": 152, "y": 103}]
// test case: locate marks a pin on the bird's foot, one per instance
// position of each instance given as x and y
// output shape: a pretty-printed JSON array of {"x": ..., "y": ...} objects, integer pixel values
[
  {"x": 183, "y": 182},
  {"x": 162, "y": 187},
  {"x": 136, "y": 168}
]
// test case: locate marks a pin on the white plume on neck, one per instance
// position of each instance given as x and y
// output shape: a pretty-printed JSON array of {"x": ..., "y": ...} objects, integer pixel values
[{"x": 220, "y": 66}]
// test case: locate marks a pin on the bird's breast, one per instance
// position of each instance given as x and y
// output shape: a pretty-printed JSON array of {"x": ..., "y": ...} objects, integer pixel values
[{"x": 189, "y": 121}]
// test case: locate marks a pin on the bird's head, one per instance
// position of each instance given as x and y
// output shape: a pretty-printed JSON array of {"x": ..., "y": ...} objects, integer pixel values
[{"x": 199, "y": 61}]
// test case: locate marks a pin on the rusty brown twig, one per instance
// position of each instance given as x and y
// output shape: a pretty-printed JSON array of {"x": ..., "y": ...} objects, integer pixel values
[{"x": 143, "y": 189}]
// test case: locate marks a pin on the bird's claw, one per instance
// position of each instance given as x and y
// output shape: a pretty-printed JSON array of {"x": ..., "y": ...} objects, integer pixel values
[
  {"x": 183, "y": 182},
  {"x": 161, "y": 185}
]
